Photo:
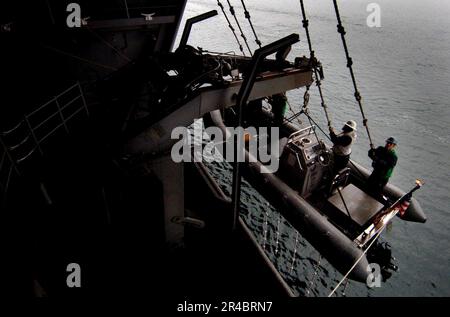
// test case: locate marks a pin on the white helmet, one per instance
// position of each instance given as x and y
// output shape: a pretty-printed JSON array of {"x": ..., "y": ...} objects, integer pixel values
[{"x": 351, "y": 124}]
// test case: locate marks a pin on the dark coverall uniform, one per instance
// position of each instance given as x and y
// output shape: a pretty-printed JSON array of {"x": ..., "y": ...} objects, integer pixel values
[{"x": 383, "y": 164}]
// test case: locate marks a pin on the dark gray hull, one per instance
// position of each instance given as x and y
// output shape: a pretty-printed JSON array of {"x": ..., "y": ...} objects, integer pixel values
[{"x": 336, "y": 247}]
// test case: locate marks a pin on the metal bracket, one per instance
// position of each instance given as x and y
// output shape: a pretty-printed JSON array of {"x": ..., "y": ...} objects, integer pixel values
[
  {"x": 148, "y": 16},
  {"x": 191, "y": 21}
]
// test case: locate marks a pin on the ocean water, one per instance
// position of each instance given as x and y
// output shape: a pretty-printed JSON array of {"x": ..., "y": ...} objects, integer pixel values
[{"x": 403, "y": 74}]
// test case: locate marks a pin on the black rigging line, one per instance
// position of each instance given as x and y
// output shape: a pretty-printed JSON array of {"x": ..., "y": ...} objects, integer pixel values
[
  {"x": 231, "y": 27},
  {"x": 341, "y": 30},
  {"x": 313, "y": 60},
  {"x": 305, "y": 23},
  {"x": 233, "y": 13},
  {"x": 247, "y": 16}
]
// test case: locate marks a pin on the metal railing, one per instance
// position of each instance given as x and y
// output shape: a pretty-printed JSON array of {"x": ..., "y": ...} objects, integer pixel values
[{"x": 19, "y": 143}]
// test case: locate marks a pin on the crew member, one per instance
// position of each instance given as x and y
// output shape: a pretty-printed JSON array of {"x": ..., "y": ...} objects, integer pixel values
[
  {"x": 384, "y": 161},
  {"x": 342, "y": 145},
  {"x": 279, "y": 106}
]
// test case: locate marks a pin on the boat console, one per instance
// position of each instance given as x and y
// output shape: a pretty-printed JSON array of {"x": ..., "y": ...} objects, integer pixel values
[{"x": 304, "y": 163}]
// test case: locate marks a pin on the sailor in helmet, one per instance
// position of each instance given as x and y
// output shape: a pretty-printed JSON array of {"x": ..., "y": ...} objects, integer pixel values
[{"x": 342, "y": 145}]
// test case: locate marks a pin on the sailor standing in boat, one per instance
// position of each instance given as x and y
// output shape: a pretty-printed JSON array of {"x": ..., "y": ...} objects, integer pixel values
[
  {"x": 384, "y": 161},
  {"x": 342, "y": 145},
  {"x": 279, "y": 106}
]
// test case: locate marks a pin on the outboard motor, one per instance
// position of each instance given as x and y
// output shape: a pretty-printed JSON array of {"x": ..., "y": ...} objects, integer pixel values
[{"x": 381, "y": 254}]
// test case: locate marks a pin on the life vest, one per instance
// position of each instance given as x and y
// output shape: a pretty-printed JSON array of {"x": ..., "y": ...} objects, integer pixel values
[{"x": 344, "y": 150}]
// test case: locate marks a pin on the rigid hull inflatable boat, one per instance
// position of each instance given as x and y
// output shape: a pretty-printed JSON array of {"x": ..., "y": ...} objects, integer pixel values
[{"x": 336, "y": 213}]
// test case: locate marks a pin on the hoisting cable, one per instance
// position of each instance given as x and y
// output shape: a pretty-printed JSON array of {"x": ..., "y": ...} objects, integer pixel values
[
  {"x": 296, "y": 115},
  {"x": 233, "y": 13},
  {"x": 247, "y": 16},
  {"x": 305, "y": 110},
  {"x": 230, "y": 26},
  {"x": 357, "y": 95},
  {"x": 313, "y": 61},
  {"x": 357, "y": 261},
  {"x": 305, "y": 23}
]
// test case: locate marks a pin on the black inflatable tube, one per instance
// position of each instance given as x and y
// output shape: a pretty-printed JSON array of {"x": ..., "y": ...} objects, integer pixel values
[{"x": 336, "y": 247}]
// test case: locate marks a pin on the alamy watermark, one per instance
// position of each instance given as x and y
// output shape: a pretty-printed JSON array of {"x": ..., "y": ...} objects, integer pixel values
[
  {"x": 215, "y": 145},
  {"x": 374, "y": 18},
  {"x": 74, "y": 277},
  {"x": 73, "y": 19},
  {"x": 374, "y": 277}
]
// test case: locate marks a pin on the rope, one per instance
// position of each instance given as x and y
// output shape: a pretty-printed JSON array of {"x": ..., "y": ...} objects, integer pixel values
[
  {"x": 230, "y": 26},
  {"x": 126, "y": 8},
  {"x": 305, "y": 23},
  {"x": 341, "y": 30},
  {"x": 247, "y": 16},
  {"x": 305, "y": 110},
  {"x": 295, "y": 115},
  {"x": 233, "y": 13},
  {"x": 357, "y": 261},
  {"x": 313, "y": 61}
]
